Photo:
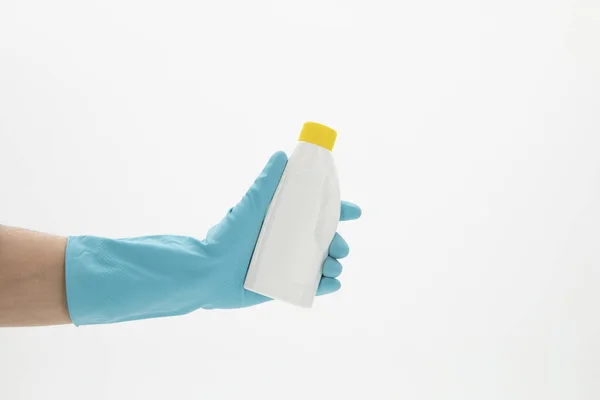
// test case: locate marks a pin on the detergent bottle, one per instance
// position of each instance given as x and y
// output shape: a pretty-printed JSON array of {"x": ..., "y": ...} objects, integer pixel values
[{"x": 300, "y": 222}]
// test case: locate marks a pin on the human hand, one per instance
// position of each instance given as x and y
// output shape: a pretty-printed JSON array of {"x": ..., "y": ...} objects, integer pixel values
[
  {"x": 114, "y": 280},
  {"x": 233, "y": 240}
]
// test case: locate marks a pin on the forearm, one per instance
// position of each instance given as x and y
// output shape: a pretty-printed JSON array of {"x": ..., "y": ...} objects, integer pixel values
[{"x": 32, "y": 278}]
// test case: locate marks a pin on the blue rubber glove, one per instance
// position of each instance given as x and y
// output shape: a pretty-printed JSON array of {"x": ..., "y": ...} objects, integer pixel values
[{"x": 115, "y": 280}]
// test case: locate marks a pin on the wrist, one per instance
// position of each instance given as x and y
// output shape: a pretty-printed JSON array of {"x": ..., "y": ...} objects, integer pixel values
[{"x": 116, "y": 280}]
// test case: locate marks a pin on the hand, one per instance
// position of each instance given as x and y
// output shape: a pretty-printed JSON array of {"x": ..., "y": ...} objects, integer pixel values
[
  {"x": 114, "y": 280},
  {"x": 233, "y": 240}
]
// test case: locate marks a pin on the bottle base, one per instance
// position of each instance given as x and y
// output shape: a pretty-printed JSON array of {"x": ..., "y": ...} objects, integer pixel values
[{"x": 295, "y": 294}]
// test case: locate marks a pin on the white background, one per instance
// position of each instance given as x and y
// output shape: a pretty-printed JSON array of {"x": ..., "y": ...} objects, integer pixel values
[{"x": 469, "y": 132}]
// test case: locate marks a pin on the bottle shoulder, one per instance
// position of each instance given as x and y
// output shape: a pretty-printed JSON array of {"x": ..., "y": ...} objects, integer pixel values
[{"x": 312, "y": 158}]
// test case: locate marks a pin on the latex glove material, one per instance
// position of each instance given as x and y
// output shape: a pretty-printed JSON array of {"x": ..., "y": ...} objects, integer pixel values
[{"x": 115, "y": 280}]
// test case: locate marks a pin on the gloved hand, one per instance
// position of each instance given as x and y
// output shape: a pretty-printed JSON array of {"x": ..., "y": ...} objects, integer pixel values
[{"x": 114, "y": 280}]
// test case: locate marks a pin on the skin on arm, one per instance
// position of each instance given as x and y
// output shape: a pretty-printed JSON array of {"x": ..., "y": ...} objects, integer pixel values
[{"x": 32, "y": 278}]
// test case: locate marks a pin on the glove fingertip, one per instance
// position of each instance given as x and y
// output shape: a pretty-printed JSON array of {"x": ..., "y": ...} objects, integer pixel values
[
  {"x": 328, "y": 285},
  {"x": 268, "y": 180},
  {"x": 339, "y": 247},
  {"x": 332, "y": 268},
  {"x": 350, "y": 211}
]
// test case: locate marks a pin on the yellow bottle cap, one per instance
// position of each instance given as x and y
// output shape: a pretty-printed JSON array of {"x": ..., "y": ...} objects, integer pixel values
[{"x": 318, "y": 134}]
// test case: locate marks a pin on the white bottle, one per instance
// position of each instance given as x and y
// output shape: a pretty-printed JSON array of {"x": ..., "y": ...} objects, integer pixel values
[{"x": 300, "y": 223}]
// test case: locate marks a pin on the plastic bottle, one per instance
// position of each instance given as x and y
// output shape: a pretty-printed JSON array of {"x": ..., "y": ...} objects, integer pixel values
[{"x": 300, "y": 223}]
